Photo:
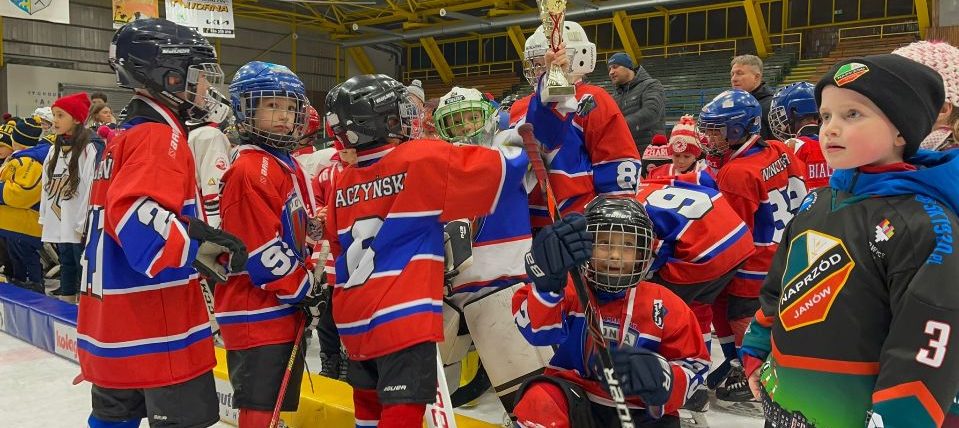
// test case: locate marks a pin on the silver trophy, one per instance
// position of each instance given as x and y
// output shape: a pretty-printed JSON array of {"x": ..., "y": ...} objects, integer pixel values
[{"x": 557, "y": 87}]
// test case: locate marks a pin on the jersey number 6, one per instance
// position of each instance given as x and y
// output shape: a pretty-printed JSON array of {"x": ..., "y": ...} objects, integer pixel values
[{"x": 360, "y": 257}]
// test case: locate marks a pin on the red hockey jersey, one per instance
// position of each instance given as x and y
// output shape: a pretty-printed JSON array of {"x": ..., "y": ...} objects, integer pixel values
[
  {"x": 764, "y": 185},
  {"x": 810, "y": 153},
  {"x": 266, "y": 199},
  {"x": 143, "y": 321},
  {"x": 385, "y": 226},
  {"x": 595, "y": 154},
  {"x": 656, "y": 320}
]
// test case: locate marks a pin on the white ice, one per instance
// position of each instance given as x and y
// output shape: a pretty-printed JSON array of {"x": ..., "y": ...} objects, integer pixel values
[{"x": 36, "y": 391}]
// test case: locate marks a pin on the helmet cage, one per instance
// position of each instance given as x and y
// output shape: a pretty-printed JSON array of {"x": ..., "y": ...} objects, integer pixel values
[
  {"x": 615, "y": 241},
  {"x": 453, "y": 119}
]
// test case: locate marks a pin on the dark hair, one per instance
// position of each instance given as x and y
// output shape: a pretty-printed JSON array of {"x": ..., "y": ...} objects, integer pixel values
[
  {"x": 99, "y": 95},
  {"x": 78, "y": 143},
  {"x": 94, "y": 111}
]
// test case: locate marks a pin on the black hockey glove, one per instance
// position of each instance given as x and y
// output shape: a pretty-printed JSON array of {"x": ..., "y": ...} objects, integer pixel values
[
  {"x": 315, "y": 302},
  {"x": 458, "y": 243},
  {"x": 557, "y": 249},
  {"x": 219, "y": 252},
  {"x": 644, "y": 373}
]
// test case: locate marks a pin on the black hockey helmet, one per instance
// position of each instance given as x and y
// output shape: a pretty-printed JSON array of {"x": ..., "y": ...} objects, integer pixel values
[
  {"x": 166, "y": 59},
  {"x": 366, "y": 110},
  {"x": 620, "y": 226}
]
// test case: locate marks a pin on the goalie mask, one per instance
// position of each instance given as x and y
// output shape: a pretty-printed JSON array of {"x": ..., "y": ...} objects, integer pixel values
[
  {"x": 174, "y": 63},
  {"x": 465, "y": 116},
  {"x": 581, "y": 53},
  {"x": 622, "y": 243},
  {"x": 270, "y": 104}
]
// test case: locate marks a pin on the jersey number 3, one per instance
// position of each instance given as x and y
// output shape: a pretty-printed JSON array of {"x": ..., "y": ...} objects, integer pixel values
[{"x": 936, "y": 352}]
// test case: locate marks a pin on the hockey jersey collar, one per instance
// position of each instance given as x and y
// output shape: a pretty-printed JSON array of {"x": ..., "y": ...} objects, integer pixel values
[
  {"x": 143, "y": 109},
  {"x": 369, "y": 157},
  {"x": 936, "y": 177}
]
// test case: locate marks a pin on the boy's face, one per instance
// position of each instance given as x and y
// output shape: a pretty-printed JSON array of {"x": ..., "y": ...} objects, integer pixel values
[
  {"x": 854, "y": 132},
  {"x": 62, "y": 121},
  {"x": 614, "y": 253},
  {"x": 276, "y": 115},
  {"x": 464, "y": 123},
  {"x": 682, "y": 161}
]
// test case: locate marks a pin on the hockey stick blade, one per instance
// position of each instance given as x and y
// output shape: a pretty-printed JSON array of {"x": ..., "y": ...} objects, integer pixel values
[{"x": 586, "y": 300}]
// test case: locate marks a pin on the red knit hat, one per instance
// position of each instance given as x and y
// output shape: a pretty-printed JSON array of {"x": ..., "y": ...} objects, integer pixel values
[
  {"x": 76, "y": 105},
  {"x": 685, "y": 138}
]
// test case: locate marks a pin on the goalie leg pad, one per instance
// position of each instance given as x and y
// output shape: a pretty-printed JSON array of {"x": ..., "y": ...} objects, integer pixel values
[
  {"x": 491, "y": 325},
  {"x": 456, "y": 338}
]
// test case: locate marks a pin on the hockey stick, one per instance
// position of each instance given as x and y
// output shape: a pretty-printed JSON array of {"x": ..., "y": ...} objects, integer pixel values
[
  {"x": 586, "y": 299},
  {"x": 289, "y": 371},
  {"x": 440, "y": 413}
]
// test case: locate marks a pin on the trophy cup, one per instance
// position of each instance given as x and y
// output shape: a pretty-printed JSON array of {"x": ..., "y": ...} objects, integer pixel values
[{"x": 557, "y": 87}]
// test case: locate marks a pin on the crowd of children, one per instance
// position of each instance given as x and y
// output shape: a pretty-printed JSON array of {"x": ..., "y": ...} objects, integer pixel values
[{"x": 590, "y": 279}]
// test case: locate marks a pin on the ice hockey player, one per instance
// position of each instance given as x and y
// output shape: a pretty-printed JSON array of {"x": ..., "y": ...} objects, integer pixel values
[
  {"x": 385, "y": 223},
  {"x": 480, "y": 294},
  {"x": 763, "y": 182},
  {"x": 658, "y": 351},
  {"x": 265, "y": 201},
  {"x": 211, "y": 152},
  {"x": 794, "y": 120},
  {"x": 855, "y": 325},
  {"x": 684, "y": 148},
  {"x": 143, "y": 333},
  {"x": 593, "y": 154}
]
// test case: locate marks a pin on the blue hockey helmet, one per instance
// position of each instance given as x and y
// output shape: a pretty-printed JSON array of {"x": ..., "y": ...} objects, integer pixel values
[
  {"x": 270, "y": 104},
  {"x": 790, "y": 104},
  {"x": 729, "y": 119},
  {"x": 366, "y": 110},
  {"x": 167, "y": 59}
]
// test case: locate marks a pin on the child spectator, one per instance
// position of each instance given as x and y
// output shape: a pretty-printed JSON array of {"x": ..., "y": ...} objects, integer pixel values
[
  {"x": 68, "y": 176},
  {"x": 684, "y": 147},
  {"x": 944, "y": 58}
]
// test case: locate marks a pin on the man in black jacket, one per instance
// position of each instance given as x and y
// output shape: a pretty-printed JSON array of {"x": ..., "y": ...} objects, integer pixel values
[
  {"x": 746, "y": 73},
  {"x": 640, "y": 97}
]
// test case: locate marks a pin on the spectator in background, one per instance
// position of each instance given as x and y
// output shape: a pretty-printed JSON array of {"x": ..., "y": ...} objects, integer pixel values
[
  {"x": 944, "y": 58},
  {"x": 655, "y": 155},
  {"x": 685, "y": 148},
  {"x": 641, "y": 98},
  {"x": 46, "y": 119},
  {"x": 19, "y": 206},
  {"x": 98, "y": 98},
  {"x": 100, "y": 115},
  {"x": 746, "y": 73},
  {"x": 67, "y": 179}
]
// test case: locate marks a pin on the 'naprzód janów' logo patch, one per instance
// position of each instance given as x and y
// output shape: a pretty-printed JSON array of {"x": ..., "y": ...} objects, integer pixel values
[
  {"x": 817, "y": 268},
  {"x": 849, "y": 72}
]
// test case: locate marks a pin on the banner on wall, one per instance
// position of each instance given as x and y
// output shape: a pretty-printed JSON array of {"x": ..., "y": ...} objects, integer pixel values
[
  {"x": 40, "y": 10},
  {"x": 212, "y": 18},
  {"x": 125, "y": 11}
]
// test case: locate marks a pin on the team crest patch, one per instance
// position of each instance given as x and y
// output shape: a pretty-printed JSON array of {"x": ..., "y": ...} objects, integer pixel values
[
  {"x": 31, "y": 6},
  {"x": 808, "y": 202},
  {"x": 659, "y": 313},
  {"x": 849, "y": 73},
  {"x": 817, "y": 268},
  {"x": 884, "y": 231}
]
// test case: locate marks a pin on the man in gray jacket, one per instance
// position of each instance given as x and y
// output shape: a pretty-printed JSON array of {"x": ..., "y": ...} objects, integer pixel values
[{"x": 640, "y": 97}]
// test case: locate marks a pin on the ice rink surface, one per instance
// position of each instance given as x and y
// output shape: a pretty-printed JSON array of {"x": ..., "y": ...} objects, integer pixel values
[{"x": 36, "y": 391}]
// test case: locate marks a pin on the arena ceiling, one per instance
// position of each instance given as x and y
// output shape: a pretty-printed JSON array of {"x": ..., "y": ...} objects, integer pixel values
[{"x": 353, "y": 20}]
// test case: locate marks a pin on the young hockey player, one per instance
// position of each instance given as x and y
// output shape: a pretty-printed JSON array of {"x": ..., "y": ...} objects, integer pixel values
[
  {"x": 385, "y": 223},
  {"x": 592, "y": 155},
  {"x": 856, "y": 321},
  {"x": 794, "y": 120},
  {"x": 265, "y": 201},
  {"x": 143, "y": 333},
  {"x": 20, "y": 187},
  {"x": 658, "y": 351},
  {"x": 67, "y": 179},
  {"x": 480, "y": 294},
  {"x": 684, "y": 148},
  {"x": 763, "y": 182}
]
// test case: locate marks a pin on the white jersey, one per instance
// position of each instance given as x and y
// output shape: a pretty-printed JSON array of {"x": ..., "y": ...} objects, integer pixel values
[
  {"x": 64, "y": 219},
  {"x": 314, "y": 162},
  {"x": 211, "y": 152}
]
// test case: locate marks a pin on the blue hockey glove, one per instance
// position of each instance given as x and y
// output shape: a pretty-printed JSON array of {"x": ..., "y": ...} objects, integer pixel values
[
  {"x": 556, "y": 250},
  {"x": 644, "y": 373}
]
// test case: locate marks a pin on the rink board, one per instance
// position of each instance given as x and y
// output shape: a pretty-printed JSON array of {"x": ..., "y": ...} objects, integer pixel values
[{"x": 50, "y": 324}]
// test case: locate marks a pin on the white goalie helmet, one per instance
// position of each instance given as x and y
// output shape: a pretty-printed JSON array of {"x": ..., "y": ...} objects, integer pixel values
[
  {"x": 581, "y": 52},
  {"x": 465, "y": 116}
]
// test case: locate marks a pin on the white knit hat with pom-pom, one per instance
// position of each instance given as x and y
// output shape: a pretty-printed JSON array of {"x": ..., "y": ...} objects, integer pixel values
[
  {"x": 939, "y": 56},
  {"x": 685, "y": 138}
]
